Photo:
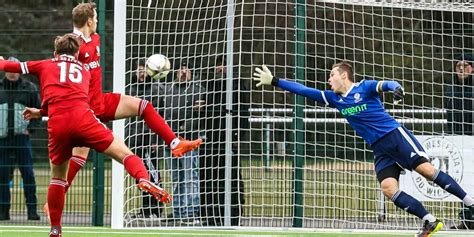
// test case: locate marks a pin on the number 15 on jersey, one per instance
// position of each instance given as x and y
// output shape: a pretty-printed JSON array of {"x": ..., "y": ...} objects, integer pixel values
[{"x": 74, "y": 74}]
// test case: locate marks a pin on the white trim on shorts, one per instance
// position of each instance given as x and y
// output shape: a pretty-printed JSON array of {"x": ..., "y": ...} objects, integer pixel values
[{"x": 412, "y": 143}]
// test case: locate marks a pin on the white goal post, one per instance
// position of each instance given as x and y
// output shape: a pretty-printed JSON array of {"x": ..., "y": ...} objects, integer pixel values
[{"x": 272, "y": 159}]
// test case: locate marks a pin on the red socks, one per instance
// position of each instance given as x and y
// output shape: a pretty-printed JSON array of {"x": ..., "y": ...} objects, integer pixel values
[
  {"x": 56, "y": 198},
  {"x": 75, "y": 164},
  {"x": 135, "y": 167},
  {"x": 155, "y": 122}
]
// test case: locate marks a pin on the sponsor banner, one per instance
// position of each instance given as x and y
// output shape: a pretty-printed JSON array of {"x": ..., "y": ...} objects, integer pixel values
[{"x": 453, "y": 155}]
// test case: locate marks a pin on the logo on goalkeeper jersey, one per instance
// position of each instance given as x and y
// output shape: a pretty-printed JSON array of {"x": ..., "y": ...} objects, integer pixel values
[
  {"x": 353, "y": 110},
  {"x": 357, "y": 98},
  {"x": 445, "y": 156}
]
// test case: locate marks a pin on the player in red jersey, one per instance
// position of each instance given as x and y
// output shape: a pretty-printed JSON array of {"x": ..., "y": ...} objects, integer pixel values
[{"x": 64, "y": 84}]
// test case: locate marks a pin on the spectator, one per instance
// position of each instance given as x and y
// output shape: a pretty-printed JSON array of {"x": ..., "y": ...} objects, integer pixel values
[
  {"x": 459, "y": 95},
  {"x": 214, "y": 179},
  {"x": 15, "y": 145},
  {"x": 183, "y": 106},
  {"x": 140, "y": 138}
]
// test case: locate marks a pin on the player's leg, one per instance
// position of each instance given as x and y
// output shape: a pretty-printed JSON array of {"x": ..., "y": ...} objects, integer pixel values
[
  {"x": 25, "y": 165},
  {"x": 191, "y": 186},
  {"x": 411, "y": 154},
  {"x": 77, "y": 161},
  {"x": 6, "y": 165},
  {"x": 150, "y": 206},
  {"x": 94, "y": 134},
  {"x": 129, "y": 106},
  {"x": 173, "y": 165},
  {"x": 135, "y": 167},
  {"x": 388, "y": 179},
  {"x": 444, "y": 181},
  {"x": 415, "y": 153},
  {"x": 57, "y": 196}
]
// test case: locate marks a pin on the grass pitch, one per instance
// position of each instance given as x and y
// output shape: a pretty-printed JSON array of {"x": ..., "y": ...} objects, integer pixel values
[{"x": 36, "y": 231}]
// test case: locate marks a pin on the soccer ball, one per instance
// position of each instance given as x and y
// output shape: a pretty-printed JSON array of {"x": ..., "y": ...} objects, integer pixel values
[{"x": 158, "y": 66}]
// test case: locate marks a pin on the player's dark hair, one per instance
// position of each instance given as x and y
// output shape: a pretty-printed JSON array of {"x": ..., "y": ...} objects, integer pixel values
[
  {"x": 83, "y": 12},
  {"x": 66, "y": 44},
  {"x": 345, "y": 67}
]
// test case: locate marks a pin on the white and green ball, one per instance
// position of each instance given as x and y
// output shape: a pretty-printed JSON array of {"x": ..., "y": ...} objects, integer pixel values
[{"x": 158, "y": 66}]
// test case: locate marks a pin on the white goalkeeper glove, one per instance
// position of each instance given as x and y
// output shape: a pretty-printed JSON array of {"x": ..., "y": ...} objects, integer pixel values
[{"x": 263, "y": 77}]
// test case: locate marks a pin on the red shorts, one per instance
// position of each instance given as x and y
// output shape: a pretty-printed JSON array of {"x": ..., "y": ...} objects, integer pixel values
[
  {"x": 109, "y": 106},
  {"x": 77, "y": 128}
]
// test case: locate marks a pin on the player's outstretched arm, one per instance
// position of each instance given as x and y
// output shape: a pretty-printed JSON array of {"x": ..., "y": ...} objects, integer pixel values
[
  {"x": 263, "y": 76},
  {"x": 8, "y": 66},
  {"x": 395, "y": 88}
]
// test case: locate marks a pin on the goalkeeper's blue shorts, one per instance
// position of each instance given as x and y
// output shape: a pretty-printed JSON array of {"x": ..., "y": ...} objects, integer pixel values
[{"x": 398, "y": 147}]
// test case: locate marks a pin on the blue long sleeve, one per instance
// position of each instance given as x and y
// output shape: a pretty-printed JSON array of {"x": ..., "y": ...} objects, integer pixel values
[
  {"x": 390, "y": 85},
  {"x": 300, "y": 89}
]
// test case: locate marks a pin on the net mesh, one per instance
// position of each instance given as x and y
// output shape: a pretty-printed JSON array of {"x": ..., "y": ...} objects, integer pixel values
[{"x": 270, "y": 158}]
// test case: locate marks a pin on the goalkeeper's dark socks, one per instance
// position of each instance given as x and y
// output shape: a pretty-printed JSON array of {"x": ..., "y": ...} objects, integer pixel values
[
  {"x": 75, "y": 164},
  {"x": 409, "y": 204},
  {"x": 135, "y": 167},
  {"x": 155, "y": 122},
  {"x": 449, "y": 184},
  {"x": 56, "y": 197}
]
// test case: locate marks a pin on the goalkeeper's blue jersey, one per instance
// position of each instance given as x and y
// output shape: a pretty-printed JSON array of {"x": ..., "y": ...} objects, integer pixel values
[{"x": 361, "y": 106}]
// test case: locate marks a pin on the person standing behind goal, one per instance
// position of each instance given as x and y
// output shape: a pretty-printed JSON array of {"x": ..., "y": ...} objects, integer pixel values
[
  {"x": 140, "y": 140},
  {"x": 458, "y": 103},
  {"x": 183, "y": 106},
  {"x": 394, "y": 147}
]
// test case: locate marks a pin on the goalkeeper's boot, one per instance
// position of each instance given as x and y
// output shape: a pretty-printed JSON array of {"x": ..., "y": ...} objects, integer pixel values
[
  {"x": 158, "y": 193},
  {"x": 429, "y": 228},
  {"x": 185, "y": 146},
  {"x": 46, "y": 212},
  {"x": 55, "y": 231}
]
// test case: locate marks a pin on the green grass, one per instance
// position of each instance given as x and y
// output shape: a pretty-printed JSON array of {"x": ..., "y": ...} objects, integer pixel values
[{"x": 32, "y": 231}]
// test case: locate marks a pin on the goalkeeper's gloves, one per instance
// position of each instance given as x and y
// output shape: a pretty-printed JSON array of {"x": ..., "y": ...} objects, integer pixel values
[
  {"x": 398, "y": 94},
  {"x": 264, "y": 76}
]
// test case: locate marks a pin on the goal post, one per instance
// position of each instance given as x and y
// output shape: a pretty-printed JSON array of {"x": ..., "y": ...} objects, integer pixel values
[
  {"x": 119, "y": 73},
  {"x": 272, "y": 159}
]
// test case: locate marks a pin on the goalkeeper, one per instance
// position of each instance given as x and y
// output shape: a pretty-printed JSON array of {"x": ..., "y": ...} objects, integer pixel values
[{"x": 394, "y": 147}]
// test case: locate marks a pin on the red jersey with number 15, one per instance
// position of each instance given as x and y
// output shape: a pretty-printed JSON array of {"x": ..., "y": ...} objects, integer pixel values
[
  {"x": 64, "y": 81},
  {"x": 89, "y": 55}
]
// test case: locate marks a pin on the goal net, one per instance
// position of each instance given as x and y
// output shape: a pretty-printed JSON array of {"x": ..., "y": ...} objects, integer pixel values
[{"x": 272, "y": 159}]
